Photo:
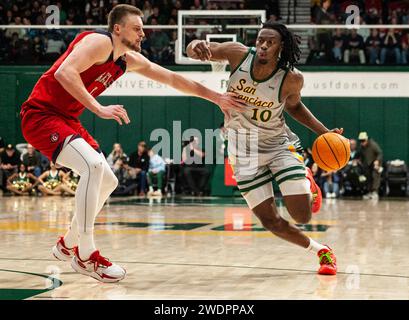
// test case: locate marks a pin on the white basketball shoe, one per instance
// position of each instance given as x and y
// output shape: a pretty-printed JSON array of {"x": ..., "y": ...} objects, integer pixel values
[
  {"x": 97, "y": 267},
  {"x": 61, "y": 252}
]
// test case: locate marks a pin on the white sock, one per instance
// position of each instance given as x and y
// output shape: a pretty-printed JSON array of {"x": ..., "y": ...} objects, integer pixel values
[
  {"x": 315, "y": 247},
  {"x": 79, "y": 156},
  {"x": 71, "y": 236},
  {"x": 86, "y": 245}
]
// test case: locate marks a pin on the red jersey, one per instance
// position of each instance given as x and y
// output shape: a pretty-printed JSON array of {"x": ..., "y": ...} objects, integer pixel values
[{"x": 49, "y": 95}]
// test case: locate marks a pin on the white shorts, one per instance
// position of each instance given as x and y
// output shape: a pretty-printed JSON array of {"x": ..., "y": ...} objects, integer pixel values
[{"x": 254, "y": 175}]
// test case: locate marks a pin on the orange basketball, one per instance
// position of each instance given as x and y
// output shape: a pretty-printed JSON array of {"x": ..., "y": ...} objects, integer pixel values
[{"x": 331, "y": 151}]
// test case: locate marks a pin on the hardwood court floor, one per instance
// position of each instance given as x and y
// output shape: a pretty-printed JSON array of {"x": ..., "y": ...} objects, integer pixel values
[{"x": 206, "y": 249}]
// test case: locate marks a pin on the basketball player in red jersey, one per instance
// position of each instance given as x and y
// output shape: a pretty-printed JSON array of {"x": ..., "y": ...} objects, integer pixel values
[{"x": 50, "y": 123}]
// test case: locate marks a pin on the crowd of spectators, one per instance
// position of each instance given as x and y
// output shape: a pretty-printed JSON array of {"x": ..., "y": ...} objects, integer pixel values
[
  {"x": 43, "y": 46},
  {"x": 361, "y": 45},
  {"x": 326, "y": 46},
  {"x": 24, "y": 170}
]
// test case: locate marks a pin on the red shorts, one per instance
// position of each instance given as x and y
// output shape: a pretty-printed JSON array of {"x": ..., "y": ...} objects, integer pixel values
[{"x": 47, "y": 131}]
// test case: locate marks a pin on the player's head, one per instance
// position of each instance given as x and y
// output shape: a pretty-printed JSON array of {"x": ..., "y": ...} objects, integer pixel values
[
  {"x": 276, "y": 42},
  {"x": 125, "y": 21}
]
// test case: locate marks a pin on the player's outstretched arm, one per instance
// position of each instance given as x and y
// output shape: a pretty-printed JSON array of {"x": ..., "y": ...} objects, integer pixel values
[
  {"x": 202, "y": 50},
  {"x": 296, "y": 108},
  {"x": 138, "y": 63},
  {"x": 93, "y": 49}
]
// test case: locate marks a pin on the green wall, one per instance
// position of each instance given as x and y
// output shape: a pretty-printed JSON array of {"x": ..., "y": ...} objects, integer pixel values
[{"x": 385, "y": 119}]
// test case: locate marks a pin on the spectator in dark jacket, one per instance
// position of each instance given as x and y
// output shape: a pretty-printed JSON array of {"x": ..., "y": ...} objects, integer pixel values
[
  {"x": 390, "y": 46},
  {"x": 139, "y": 162},
  {"x": 32, "y": 161},
  {"x": 371, "y": 159},
  {"x": 373, "y": 46},
  {"x": 195, "y": 172},
  {"x": 354, "y": 47},
  {"x": 9, "y": 162}
]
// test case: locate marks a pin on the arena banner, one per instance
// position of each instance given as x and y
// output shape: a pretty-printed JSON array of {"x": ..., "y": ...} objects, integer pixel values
[{"x": 316, "y": 84}]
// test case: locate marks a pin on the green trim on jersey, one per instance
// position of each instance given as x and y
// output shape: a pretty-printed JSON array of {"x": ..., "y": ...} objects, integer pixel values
[
  {"x": 251, "y": 71},
  {"x": 241, "y": 62}
]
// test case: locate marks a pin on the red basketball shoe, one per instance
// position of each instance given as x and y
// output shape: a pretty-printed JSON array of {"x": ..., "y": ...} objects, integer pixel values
[
  {"x": 315, "y": 191},
  {"x": 61, "y": 252},
  {"x": 97, "y": 267},
  {"x": 328, "y": 262}
]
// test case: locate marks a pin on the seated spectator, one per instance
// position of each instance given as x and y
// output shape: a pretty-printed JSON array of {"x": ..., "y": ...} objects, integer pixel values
[
  {"x": 116, "y": 153},
  {"x": 21, "y": 32},
  {"x": 354, "y": 155},
  {"x": 405, "y": 16},
  {"x": 371, "y": 159},
  {"x": 354, "y": 180},
  {"x": 14, "y": 47},
  {"x": 390, "y": 47},
  {"x": 354, "y": 47},
  {"x": 54, "y": 47},
  {"x": 404, "y": 42},
  {"x": 157, "y": 169},
  {"x": 322, "y": 15},
  {"x": 9, "y": 162},
  {"x": 22, "y": 182},
  {"x": 126, "y": 182},
  {"x": 373, "y": 16},
  {"x": 158, "y": 44},
  {"x": 32, "y": 161},
  {"x": 42, "y": 15},
  {"x": 338, "y": 43},
  {"x": 139, "y": 162},
  {"x": 51, "y": 182},
  {"x": 160, "y": 18},
  {"x": 38, "y": 50},
  {"x": 373, "y": 47},
  {"x": 194, "y": 170},
  {"x": 70, "y": 180},
  {"x": 331, "y": 184},
  {"x": 95, "y": 9},
  {"x": 317, "y": 174},
  {"x": 147, "y": 10},
  {"x": 307, "y": 156}
]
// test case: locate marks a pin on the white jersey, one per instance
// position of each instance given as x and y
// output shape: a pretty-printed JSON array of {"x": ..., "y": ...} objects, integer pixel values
[{"x": 263, "y": 98}]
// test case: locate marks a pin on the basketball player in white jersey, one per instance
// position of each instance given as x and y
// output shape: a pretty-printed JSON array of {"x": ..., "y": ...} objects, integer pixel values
[{"x": 265, "y": 78}]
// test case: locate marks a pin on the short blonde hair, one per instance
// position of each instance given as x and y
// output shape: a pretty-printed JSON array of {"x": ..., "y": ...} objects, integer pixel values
[{"x": 120, "y": 11}]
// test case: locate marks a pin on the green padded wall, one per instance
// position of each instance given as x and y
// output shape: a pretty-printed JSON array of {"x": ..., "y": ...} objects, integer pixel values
[{"x": 385, "y": 119}]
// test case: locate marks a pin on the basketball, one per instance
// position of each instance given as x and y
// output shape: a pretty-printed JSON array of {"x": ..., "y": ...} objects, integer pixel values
[{"x": 331, "y": 151}]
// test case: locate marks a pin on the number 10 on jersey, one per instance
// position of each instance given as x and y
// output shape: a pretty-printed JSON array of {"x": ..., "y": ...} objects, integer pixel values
[{"x": 263, "y": 116}]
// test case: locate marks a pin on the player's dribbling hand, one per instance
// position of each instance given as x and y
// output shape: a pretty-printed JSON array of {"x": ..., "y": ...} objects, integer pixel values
[
  {"x": 202, "y": 51},
  {"x": 337, "y": 130},
  {"x": 114, "y": 111},
  {"x": 230, "y": 101}
]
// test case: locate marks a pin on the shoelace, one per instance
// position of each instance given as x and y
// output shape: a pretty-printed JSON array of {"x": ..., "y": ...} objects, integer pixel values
[
  {"x": 100, "y": 260},
  {"x": 326, "y": 256}
]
